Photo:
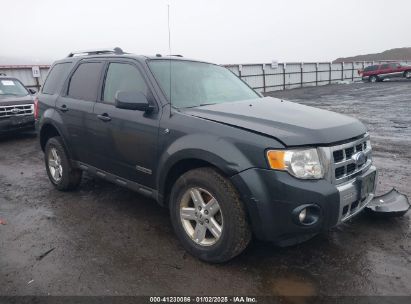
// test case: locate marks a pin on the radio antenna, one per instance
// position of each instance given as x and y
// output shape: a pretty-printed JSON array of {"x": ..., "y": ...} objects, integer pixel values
[
  {"x": 169, "y": 31},
  {"x": 169, "y": 48}
]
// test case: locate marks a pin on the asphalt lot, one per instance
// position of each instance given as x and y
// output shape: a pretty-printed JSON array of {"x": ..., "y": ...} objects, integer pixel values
[{"x": 106, "y": 240}]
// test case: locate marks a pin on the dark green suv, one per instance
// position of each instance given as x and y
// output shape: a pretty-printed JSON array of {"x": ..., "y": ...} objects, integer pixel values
[{"x": 228, "y": 163}]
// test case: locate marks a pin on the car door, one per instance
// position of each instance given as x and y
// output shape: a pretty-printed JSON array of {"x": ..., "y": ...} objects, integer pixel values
[
  {"x": 395, "y": 70},
  {"x": 384, "y": 71},
  {"x": 76, "y": 105},
  {"x": 125, "y": 140}
]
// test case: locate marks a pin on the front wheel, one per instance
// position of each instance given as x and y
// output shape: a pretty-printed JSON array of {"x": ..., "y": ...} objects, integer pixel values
[
  {"x": 59, "y": 170},
  {"x": 208, "y": 216},
  {"x": 407, "y": 74}
]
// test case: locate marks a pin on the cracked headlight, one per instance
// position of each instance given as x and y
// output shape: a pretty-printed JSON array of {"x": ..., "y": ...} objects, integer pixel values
[{"x": 304, "y": 164}]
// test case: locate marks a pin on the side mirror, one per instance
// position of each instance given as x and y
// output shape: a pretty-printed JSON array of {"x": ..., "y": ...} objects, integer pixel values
[
  {"x": 32, "y": 91},
  {"x": 132, "y": 100}
]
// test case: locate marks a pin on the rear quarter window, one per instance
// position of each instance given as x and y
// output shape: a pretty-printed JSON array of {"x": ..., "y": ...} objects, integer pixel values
[{"x": 56, "y": 78}]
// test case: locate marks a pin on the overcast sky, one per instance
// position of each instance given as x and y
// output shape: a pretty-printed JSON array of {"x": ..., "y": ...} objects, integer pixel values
[{"x": 221, "y": 31}]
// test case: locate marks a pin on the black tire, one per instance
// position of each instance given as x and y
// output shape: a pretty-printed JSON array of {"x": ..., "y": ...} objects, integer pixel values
[
  {"x": 70, "y": 177},
  {"x": 407, "y": 74},
  {"x": 374, "y": 79},
  {"x": 235, "y": 235}
]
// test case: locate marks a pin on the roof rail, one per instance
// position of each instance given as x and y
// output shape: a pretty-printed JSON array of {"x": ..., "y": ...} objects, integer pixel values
[
  {"x": 3, "y": 74},
  {"x": 177, "y": 55},
  {"x": 116, "y": 51}
]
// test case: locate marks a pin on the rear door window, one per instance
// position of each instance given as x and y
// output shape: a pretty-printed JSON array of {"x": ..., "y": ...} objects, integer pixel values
[
  {"x": 371, "y": 68},
  {"x": 85, "y": 81},
  {"x": 122, "y": 77},
  {"x": 385, "y": 66},
  {"x": 56, "y": 78}
]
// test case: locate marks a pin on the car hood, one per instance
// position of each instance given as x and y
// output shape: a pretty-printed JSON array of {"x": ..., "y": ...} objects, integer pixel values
[
  {"x": 7, "y": 100},
  {"x": 291, "y": 123}
]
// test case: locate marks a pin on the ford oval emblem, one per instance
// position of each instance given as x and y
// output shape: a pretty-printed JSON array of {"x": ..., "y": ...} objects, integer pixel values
[
  {"x": 359, "y": 158},
  {"x": 15, "y": 111}
]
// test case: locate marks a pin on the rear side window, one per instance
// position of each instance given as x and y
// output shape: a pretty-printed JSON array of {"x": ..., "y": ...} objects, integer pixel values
[
  {"x": 122, "y": 77},
  {"x": 85, "y": 80},
  {"x": 371, "y": 68},
  {"x": 56, "y": 78}
]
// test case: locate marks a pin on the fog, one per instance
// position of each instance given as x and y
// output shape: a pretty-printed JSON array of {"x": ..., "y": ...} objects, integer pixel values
[{"x": 218, "y": 31}]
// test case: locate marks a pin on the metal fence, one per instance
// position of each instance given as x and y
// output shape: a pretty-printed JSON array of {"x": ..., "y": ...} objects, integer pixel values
[
  {"x": 25, "y": 74},
  {"x": 263, "y": 77},
  {"x": 266, "y": 78}
]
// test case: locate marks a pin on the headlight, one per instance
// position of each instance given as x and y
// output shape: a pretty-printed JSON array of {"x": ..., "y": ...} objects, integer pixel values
[{"x": 303, "y": 164}]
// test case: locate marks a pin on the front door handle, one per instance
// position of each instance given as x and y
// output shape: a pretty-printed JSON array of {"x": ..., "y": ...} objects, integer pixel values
[
  {"x": 104, "y": 117},
  {"x": 63, "y": 108}
]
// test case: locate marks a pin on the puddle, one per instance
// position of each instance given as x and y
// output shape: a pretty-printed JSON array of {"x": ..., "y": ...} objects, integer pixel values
[{"x": 293, "y": 286}]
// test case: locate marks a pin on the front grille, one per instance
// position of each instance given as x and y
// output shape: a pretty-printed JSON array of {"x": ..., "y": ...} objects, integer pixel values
[
  {"x": 344, "y": 167},
  {"x": 339, "y": 172},
  {"x": 338, "y": 156},
  {"x": 17, "y": 110},
  {"x": 350, "y": 168},
  {"x": 349, "y": 152}
]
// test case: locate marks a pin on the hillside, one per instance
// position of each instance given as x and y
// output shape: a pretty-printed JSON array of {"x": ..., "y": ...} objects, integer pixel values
[{"x": 393, "y": 54}]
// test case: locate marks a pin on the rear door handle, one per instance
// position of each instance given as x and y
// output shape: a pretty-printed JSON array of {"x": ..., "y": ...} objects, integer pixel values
[
  {"x": 104, "y": 117},
  {"x": 63, "y": 108}
]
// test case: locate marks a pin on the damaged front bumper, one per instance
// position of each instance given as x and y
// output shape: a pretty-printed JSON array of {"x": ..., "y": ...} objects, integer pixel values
[
  {"x": 390, "y": 204},
  {"x": 356, "y": 194}
]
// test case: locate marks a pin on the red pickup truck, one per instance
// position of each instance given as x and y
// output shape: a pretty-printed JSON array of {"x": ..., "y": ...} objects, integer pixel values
[{"x": 379, "y": 72}]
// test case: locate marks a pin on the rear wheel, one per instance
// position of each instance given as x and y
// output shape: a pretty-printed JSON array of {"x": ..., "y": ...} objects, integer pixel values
[
  {"x": 208, "y": 216},
  {"x": 407, "y": 74},
  {"x": 373, "y": 78},
  {"x": 59, "y": 170}
]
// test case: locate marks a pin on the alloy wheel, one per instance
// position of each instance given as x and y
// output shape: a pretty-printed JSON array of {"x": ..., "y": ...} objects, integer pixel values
[
  {"x": 201, "y": 216},
  {"x": 55, "y": 167}
]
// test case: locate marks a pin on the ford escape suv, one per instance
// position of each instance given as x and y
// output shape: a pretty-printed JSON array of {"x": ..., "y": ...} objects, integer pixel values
[
  {"x": 228, "y": 163},
  {"x": 17, "y": 106}
]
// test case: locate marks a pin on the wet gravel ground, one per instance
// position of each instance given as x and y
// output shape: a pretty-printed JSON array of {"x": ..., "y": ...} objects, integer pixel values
[{"x": 106, "y": 240}]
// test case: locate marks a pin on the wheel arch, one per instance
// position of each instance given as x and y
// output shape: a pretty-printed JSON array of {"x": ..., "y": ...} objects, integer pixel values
[
  {"x": 195, "y": 151},
  {"x": 49, "y": 130},
  {"x": 406, "y": 71},
  {"x": 180, "y": 166}
]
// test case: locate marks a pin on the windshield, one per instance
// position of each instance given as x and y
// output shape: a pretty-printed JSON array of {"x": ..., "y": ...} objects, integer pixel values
[
  {"x": 196, "y": 83},
  {"x": 12, "y": 87}
]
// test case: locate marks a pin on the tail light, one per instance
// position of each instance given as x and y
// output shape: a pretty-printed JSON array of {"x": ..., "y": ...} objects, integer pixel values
[
  {"x": 360, "y": 72},
  {"x": 36, "y": 108}
]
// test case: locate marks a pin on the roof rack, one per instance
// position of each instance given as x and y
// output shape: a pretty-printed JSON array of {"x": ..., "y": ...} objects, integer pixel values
[
  {"x": 116, "y": 51},
  {"x": 3, "y": 74},
  {"x": 177, "y": 55}
]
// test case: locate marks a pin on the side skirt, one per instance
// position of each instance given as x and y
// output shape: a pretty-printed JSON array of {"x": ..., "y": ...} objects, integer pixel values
[{"x": 146, "y": 191}]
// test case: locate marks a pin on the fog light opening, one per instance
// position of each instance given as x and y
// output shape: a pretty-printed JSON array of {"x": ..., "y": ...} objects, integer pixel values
[
  {"x": 302, "y": 215},
  {"x": 306, "y": 215}
]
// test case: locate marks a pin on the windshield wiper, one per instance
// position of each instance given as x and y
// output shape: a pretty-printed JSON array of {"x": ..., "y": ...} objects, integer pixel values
[{"x": 207, "y": 104}]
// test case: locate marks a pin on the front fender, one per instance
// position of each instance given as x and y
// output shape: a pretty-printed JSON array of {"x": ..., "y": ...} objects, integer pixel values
[{"x": 218, "y": 151}]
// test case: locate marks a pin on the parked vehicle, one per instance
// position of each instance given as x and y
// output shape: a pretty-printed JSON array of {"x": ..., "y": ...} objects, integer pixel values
[
  {"x": 17, "y": 106},
  {"x": 380, "y": 72},
  {"x": 227, "y": 162}
]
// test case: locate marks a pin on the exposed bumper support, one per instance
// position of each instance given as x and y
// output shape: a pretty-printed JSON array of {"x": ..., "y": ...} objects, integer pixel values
[{"x": 391, "y": 204}]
